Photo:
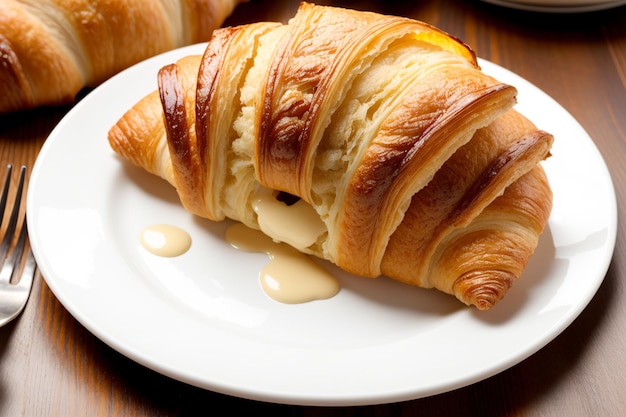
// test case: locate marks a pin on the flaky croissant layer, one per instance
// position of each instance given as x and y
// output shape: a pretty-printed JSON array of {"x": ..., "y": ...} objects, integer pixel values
[
  {"x": 51, "y": 49},
  {"x": 406, "y": 158}
]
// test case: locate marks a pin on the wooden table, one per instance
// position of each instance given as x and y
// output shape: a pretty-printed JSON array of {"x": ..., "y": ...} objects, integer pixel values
[{"x": 51, "y": 366}]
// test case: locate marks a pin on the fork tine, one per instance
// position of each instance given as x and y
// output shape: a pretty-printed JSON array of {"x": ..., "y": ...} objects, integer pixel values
[
  {"x": 14, "y": 290},
  {"x": 10, "y": 231},
  {"x": 9, "y": 263},
  {"x": 5, "y": 192},
  {"x": 30, "y": 266},
  {"x": 12, "y": 263},
  {"x": 29, "y": 271}
]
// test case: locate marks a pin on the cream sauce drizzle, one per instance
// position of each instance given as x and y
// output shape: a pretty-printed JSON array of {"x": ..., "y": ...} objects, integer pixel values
[
  {"x": 165, "y": 240},
  {"x": 299, "y": 225},
  {"x": 290, "y": 277}
]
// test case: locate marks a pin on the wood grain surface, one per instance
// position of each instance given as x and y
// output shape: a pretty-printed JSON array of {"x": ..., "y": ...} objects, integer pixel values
[{"x": 51, "y": 366}]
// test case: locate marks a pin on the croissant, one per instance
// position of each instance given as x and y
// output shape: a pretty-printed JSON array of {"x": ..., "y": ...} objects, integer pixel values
[
  {"x": 411, "y": 160},
  {"x": 51, "y": 49}
]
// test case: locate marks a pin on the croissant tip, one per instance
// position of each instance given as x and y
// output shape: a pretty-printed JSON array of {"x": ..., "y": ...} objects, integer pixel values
[
  {"x": 483, "y": 289},
  {"x": 484, "y": 304}
]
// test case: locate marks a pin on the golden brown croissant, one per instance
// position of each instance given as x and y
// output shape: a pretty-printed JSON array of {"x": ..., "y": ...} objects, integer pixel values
[
  {"x": 51, "y": 49},
  {"x": 410, "y": 158}
]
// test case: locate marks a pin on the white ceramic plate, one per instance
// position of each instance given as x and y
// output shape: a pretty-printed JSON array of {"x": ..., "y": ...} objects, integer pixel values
[
  {"x": 558, "y": 6},
  {"x": 202, "y": 318}
]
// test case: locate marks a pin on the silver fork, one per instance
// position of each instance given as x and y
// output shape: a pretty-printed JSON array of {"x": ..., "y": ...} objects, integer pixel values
[{"x": 14, "y": 291}]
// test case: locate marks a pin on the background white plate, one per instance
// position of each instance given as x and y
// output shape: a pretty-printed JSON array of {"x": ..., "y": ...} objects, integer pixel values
[
  {"x": 558, "y": 6},
  {"x": 203, "y": 318}
]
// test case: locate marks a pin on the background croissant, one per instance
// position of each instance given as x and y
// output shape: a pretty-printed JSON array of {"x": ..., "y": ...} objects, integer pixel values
[
  {"x": 412, "y": 160},
  {"x": 51, "y": 49}
]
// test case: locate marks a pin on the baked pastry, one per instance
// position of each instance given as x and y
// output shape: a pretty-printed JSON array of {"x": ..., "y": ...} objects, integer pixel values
[
  {"x": 51, "y": 49},
  {"x": 411, "y": 161}
]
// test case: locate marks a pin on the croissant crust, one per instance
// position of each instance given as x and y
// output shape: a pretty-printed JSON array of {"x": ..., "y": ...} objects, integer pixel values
[
  {"x": 51, "y": 49},
  {"x": 414, "y": 161}
]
